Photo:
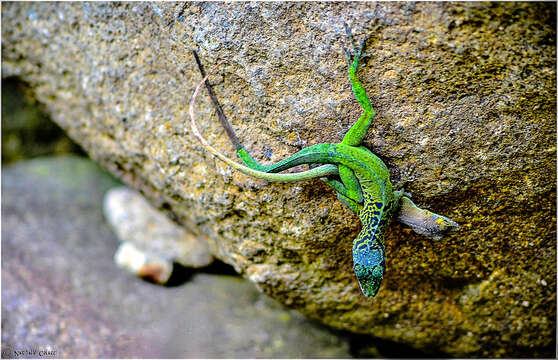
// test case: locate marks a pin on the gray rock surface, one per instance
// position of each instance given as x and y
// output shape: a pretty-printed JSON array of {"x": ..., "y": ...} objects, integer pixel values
[
  {"x": 62, "y": 293},
  {"x": 465, "y": 96}
]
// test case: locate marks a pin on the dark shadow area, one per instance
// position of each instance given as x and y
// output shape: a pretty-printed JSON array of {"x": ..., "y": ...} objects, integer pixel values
[
  {"x": 219, "y": 268},
  {"x": 27, "y": 131},
  {"x": 181, "y": 274},
  {"x": 360, "y": 345}
]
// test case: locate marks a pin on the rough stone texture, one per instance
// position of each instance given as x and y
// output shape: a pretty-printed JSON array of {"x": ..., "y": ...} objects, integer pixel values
[
  {"x": 61, "y": 291},
  {"x": 465, "y": 102}
]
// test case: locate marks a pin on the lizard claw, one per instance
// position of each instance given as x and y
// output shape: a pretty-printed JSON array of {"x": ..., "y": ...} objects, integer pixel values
[
  {"x": 347, "y": 54},
  {"x": 348, "y": 32},
  {"x": 355, "y": 55}
]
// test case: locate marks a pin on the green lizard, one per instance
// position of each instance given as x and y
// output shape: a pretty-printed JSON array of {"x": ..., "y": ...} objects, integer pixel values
[{"x": 360, "y": 178}]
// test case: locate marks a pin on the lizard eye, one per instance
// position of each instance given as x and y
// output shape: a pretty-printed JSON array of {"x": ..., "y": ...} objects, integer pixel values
[{"x": 378, "y": 271}]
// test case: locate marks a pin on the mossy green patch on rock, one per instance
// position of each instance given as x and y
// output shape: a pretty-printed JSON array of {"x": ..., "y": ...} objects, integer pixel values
[{"x": 465, "y": 97}]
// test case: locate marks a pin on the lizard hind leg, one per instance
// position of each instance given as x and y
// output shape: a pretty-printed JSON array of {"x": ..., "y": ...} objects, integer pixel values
[
  {"x": 349, "y": 203},
  {"x": 349, "y": 179},
  {"x": 342, "y": 193},
  {"x": 358, "y": 130},
  {"x": 348, "y": 189},
  {"x": 356, "y": 54}
]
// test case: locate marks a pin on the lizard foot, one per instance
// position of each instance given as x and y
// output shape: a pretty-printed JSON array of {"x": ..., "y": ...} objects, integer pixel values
[
  {"x": 405, "y": 178},
  {"x": 354, "y": 56}
]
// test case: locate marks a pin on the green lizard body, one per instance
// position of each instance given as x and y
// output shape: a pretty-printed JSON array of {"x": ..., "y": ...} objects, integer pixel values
[
  {"x": 372, "y": 198},
  {"x": 360, "y": 178}
]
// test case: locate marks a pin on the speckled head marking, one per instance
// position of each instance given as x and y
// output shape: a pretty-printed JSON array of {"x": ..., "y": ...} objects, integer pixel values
[
  {"x": 368, "y": 247},
  {"x": 369, "y": 278},
  {"x": 369, "y": 265}
]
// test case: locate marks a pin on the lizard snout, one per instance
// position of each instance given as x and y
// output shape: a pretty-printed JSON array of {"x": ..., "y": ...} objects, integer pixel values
[{"x": 370, "y": 278}]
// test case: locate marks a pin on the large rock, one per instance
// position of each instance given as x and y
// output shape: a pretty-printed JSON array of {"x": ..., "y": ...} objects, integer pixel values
[{"x": 466, "y": 107}]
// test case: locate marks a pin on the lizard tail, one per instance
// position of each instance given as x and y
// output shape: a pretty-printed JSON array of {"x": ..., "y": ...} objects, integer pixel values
[
  {"x": 318, "y": 172},
  {"x": 220, "y": 114}
]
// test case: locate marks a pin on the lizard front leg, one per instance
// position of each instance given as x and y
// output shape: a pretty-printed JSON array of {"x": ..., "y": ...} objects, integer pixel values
[{"x": 423, "y": 221}]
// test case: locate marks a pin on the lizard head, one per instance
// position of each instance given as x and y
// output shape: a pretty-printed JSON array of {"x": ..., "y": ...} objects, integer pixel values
[
  {"x": 369, "y": 278},
  {"x": 369, "y": 266}
]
